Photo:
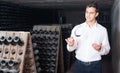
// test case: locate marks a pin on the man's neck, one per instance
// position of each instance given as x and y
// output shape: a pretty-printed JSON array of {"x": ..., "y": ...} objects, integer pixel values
[{"x": 90, "y": 24}]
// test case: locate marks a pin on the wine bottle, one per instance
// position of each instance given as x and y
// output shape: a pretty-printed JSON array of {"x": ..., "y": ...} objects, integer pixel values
[
  {"x": 12, "y": 63},
  {"x": 2, "y": 39},
  {"x": 8, "y": 40},
  {"x": 3, "y": 62},
  {"x": 18, "y": 41}
]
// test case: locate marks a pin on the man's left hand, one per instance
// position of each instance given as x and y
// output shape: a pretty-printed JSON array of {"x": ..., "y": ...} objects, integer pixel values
[{"x": 97, "y": 46}]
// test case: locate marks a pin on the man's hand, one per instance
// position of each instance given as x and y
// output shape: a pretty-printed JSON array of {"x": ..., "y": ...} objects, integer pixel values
[
  {"x": 70, "y": 41},
  {"x": 97, "y": 46}
]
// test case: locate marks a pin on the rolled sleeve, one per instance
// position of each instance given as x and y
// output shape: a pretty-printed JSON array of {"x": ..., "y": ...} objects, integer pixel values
[
  {"x": 72, "y": 48},
  {"x": 105, "y": 45}
]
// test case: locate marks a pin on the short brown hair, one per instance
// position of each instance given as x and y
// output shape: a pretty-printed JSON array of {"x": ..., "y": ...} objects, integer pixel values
[{"x": 93, "y": 4}]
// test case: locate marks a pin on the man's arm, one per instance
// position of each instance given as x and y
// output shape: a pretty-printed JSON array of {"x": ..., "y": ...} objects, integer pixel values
[
  {"x": 105, "y": 48},
  {"x": 71, "y": 41}
]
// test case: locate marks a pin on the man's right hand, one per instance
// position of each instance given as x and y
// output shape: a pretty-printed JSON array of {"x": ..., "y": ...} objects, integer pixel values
[{"x": 70, "y": 41}]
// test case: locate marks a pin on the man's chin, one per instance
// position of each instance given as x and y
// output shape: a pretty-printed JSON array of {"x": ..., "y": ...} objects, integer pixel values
[{"x": 88, "y": 20}]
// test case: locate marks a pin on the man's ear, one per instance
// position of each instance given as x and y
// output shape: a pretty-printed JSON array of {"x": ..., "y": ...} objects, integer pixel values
[{"x": 97, "y": 14}]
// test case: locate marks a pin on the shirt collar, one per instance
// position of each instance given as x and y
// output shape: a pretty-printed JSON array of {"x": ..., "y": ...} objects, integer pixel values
[{"x": 94, "y": 25}]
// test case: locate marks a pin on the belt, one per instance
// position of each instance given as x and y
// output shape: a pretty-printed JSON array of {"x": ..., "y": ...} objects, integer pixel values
[{"x": 88, "y": 63}]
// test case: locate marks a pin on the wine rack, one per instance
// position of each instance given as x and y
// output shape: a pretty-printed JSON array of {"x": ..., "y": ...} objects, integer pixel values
[
  {"x": 15, "y": 17},
  {"x": 46, "y": 41},
  {"x": 68, "y": 57},
  {"x": 14, "y": 49}
]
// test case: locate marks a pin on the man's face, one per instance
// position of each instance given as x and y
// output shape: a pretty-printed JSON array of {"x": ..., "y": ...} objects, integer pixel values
[{"x": 90, "y": 14}]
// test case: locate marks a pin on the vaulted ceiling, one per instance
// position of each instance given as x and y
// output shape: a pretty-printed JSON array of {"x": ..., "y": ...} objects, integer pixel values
[{"x": 61, "y": 3}]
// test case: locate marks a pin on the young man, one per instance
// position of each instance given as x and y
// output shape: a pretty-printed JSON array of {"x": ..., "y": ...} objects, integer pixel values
[{"x": 90, "y": 42}]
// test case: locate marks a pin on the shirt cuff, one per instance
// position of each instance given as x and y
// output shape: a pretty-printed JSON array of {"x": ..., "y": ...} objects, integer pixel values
[
  {"x": 71, "y": 48},
  {"x": 103, "y": 51}
]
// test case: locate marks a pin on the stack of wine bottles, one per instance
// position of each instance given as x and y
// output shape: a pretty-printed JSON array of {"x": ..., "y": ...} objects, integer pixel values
[
  {"x": 12, "y": 52},
  {"x": 46, "y": 46},
  {"x": 15, "y": 17},
  {"x": 67, "y": 56}
]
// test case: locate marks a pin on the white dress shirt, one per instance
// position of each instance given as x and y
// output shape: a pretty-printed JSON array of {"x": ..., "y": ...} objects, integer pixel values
[{"x": 84, "y": 37}]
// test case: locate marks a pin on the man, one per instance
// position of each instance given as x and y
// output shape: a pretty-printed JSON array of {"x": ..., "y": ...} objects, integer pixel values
[{"x": 90, "y": 42}]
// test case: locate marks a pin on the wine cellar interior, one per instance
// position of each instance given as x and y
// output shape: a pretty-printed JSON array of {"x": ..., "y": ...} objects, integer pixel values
[{"x": 33, "y": 33}]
